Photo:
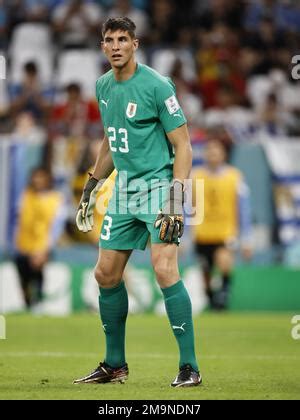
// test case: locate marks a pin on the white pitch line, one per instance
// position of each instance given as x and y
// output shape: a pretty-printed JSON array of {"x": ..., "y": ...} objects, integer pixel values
[{"x": 146, "y": 355}]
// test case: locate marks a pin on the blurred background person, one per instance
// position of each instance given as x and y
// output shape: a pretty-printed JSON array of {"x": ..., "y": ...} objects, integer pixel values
[
  {"x": 104, "y": 195},
  {"x": 73, "y": 124},
  {"x": 75, "y": 23},
  {"x": 40, "y": 224},
  {"x": 74, "y": 115},
  {"x": 29, "y": 95},
  {"x": 126, "y": 8},
  {"x": 226, "y": 222},
  {"x": 232, "y": 66}
]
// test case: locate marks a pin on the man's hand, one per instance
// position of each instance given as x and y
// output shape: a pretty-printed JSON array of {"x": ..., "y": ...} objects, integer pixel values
[
  {"x": 84, "y": 217},
  {"x": 170, "y": 218}
]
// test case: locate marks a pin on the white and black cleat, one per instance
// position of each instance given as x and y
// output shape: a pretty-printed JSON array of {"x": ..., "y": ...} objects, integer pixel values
[{"x": 187, "y": 376}]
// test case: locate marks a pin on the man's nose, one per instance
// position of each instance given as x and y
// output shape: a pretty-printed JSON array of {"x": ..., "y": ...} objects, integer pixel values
[{"x": 115, "y": 45}]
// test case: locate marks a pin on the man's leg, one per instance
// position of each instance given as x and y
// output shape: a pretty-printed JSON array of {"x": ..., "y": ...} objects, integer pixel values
[
  {"x": 24, "y": 271},
  {"x": 179, "y": 310},
  {"x": 113, "y": 307},
  {"x": 38, "y": 279},
  {"x": 224, "y": 261},
  {"x": 205, "y": 256},
  {"x": 113, "y": 302}
]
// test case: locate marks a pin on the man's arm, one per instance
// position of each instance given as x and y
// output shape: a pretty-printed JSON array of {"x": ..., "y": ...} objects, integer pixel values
[
  {"x": 180, "y": 139},
  {"x": 104, "y": 164},
  {"x": 170, "y": 218},
  {"x": 103, "y": 168}
]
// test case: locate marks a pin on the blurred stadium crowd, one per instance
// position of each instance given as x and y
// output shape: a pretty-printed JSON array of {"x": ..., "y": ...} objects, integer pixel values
[{"x": 231, "y": 61}]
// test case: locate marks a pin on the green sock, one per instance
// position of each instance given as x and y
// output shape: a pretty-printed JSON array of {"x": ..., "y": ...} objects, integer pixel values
[
  {"x": 179, "y": 310},
  {"x": 113, "y": 305}
]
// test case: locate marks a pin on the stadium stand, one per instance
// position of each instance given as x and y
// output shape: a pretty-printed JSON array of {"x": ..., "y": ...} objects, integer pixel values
[{"x": 232, "y": 65}]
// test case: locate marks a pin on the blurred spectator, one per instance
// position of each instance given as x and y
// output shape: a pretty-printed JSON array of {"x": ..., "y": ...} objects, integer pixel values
[
  {"x": 228, "y": 12},
  {"x": 21, "y": 11},
  {"x": 126, "y": 8},
  {"x": 163, "y": 23},
  {"x": 30, "y": 96},
  {"x": 267, "y": 36},
  {"x": 27, "y": 131},
  {"x": 231, "y": 62},
  {"x": 238, "y": 120},
  {"x": 40, "y": 224},
  {"x": 266, "y": 41},
  {"x": 272, "y": 119},
  {"x": 191, "y": 103},
  {"x": 77, "y": 23},
  {"x": 108, "y": 4},
  {"x": 260, "y": 91},
  {"x": 3, "y": 25},
  {"x": 284, "y": 13},
  {"x": 37, "y": 10},
  {"x": 73, "y": 123},
  {"x": 223, "y": 219},
  {"x": 103, "y": 197},
  {"x": 216, "y": 54},
  {"x": 75, "y": 116}
]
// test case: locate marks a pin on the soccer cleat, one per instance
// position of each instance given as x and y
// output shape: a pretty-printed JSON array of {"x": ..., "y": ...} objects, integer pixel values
[
  {"x": 187, "y": 376},
  {"x": 103, "y": 374}
]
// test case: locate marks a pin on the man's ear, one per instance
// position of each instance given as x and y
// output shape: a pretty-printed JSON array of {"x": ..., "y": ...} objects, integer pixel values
[
  {"x": 136, "y": 43},
  {"x": 102, "y": 45}
]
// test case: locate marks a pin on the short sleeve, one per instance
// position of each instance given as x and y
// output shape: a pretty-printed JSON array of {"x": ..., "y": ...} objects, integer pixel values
[{"x": 169, "y": 110}]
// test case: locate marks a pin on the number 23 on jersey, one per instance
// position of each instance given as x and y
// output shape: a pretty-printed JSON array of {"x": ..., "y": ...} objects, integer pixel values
[{"x": 115, "y": 135}]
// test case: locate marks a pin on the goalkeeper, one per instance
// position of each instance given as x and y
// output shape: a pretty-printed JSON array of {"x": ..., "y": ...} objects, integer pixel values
[{"x": 146, "y": 140}]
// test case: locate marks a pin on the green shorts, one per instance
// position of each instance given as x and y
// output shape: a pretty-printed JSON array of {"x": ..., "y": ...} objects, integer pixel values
[{"x": 128, "y": 226}]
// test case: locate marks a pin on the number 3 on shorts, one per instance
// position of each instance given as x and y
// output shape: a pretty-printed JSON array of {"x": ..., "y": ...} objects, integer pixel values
[{"x": 107, "y": 222}]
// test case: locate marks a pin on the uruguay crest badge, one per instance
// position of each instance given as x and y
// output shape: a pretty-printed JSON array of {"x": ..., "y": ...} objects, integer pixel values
[{"x": 131, "y": 109}]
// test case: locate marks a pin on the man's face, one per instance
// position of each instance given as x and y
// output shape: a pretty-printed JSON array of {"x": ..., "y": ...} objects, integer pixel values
[
  {"x": 215, "y": 153},
  {"x": 118, "y": 47},
  {"x": 40, "y": 181}
]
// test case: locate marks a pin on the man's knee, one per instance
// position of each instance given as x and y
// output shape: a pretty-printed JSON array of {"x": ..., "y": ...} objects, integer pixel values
[
  {"x": 224, "y": 260},
  {"x": 106, "y": 277},
  {"x": 166, "y": 272}
]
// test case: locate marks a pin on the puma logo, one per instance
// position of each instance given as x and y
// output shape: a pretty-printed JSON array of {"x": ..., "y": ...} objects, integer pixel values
[
  {"x": 175, "y": 327},
  {"x": 104, "y": 102}
]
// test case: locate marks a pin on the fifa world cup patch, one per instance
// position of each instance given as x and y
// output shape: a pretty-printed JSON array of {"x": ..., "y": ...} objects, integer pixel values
[
  {"x": 172, "y": 104},
  {"x": 131, "y": 109}
]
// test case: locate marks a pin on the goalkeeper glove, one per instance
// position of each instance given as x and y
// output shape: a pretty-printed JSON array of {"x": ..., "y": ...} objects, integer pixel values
[
  {"x": 170, "y": 218},
  {"x": 84, "y": 217}
]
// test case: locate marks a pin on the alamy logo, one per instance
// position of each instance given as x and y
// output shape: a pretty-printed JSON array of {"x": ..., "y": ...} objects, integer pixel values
[
  {"x": 2, "y": 328},
  {"x": 129, "y": 196},
  {"x": 2, "y": 68},
  {"x": 175, "y": 327},
  {"x": 295, "y": 333},
  {"x": 296, "y": 68}
]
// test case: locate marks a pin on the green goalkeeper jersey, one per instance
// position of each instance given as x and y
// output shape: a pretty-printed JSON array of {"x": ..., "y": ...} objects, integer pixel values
[{"x": 136, "y": 114}]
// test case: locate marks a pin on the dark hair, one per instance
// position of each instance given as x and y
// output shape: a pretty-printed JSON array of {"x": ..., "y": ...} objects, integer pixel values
[
  {"x": 120, "y": 23},
  {"x": 45, "y": 171},
  {"x": 73, "y": 87},
  {"x": 30, "y": 67}
]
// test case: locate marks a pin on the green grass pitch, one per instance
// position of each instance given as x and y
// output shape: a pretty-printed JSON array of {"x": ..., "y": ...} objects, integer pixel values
[{"x": 241, "y": 356}]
